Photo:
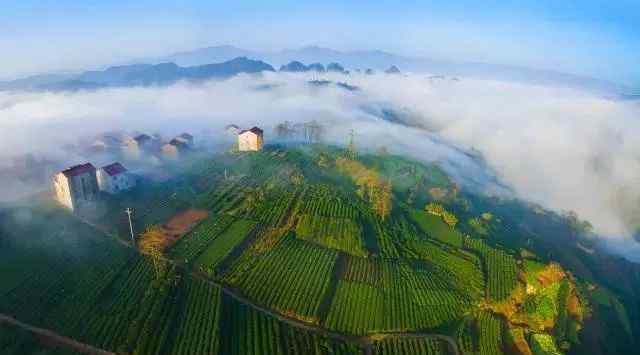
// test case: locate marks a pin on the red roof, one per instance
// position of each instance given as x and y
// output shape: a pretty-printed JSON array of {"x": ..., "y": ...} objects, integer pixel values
[
  {"x": 254, "y": 130},
  {"x": 78, "y": 170},
  {"x": 114, "y": 169}
]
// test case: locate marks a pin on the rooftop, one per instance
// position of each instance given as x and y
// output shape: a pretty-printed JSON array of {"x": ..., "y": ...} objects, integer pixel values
[
  {"x": 114, "y": 169},
  {"x": 78, "y": 169},
  {"x": 254, "y": 130}
]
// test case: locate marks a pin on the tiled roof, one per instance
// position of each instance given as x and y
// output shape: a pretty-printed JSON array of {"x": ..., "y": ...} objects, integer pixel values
[
  {"x": 254, "y": 130},
  {"x": 114, "y": 169},
  {"x": 78, "y": 170}
]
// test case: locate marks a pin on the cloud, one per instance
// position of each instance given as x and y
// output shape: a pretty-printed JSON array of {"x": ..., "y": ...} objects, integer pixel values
[{"x": 564, "y": 149}]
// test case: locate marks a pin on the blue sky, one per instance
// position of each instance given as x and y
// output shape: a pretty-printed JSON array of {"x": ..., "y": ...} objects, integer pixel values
[{"x": 596, "y": 38}]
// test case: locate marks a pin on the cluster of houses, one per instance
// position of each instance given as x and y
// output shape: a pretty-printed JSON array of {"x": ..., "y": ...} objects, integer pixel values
[
  {"x": 144, "y": 145},
  {"x": 80, "y": 185}
]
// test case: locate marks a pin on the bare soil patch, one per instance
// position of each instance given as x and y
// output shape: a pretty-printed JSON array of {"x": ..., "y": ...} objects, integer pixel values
[{"x": 181, "y": 223}]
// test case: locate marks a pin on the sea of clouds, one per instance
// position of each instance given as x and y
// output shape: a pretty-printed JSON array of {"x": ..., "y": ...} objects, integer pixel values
[{"x": 562, "y": 148}]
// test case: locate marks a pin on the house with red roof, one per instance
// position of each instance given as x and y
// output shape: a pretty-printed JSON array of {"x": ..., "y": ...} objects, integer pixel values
[
  {"x": 115, "y": 178},
  {"x": 76, "y": 186}
]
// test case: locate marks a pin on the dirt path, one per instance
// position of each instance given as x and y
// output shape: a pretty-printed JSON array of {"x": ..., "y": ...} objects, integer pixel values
[{"x": 55, "y": 337}]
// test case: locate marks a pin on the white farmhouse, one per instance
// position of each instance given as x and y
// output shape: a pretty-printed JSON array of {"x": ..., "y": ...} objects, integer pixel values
[
  {"x": 115, "y": 178},
  {"x": 174, "y": 149},
  {"x": 76, "y": 186},
  {"x": 137, "y": 147},
  {"x": 250, "y": 140}
]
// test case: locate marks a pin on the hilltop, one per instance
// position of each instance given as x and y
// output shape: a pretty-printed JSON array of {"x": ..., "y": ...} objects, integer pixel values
[{"x": 315, "y": 249}]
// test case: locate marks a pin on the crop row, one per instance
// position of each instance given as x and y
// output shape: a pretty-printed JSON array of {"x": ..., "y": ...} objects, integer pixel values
[
  {"x": 222, "y": 245},
  {"x": 410, "y": 346},
  {"x": 248, "y": 332},
  {"x": 434, "y": 227},
  {"x": 192, "y": 244},
  {"x": 462, "y": 268},
  {"x": 337, "y": 233},
  {"x": 198, "y": 325},
  {"x": 322, "y": 201},
  {"x": 273, "y": 210},
  {"x": 490, "y": 334},
  {"x": 223, "y": 196},
  {"x": 292, "y": 277},
  {"x": 501, "y": 268},
  {"x": 416, "y": 297}
]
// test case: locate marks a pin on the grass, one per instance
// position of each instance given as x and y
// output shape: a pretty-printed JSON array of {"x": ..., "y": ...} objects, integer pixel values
[
  {"x": 434, "y": 227},
  {"x": 222, "y": 245}
]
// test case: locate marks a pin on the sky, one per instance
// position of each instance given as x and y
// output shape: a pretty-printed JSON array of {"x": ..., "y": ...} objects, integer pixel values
[{"x": 596, "y": 38}]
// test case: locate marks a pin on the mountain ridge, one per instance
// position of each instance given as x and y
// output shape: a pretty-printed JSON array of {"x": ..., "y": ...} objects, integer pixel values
[
  {"x": 360, "y": 60},
  {"x": 139, "y": 75},
  {"x": 382, "y": 60}
]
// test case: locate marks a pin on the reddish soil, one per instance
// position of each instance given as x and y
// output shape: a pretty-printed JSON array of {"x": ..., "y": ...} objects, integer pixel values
[{"x": 182, "y": 223}]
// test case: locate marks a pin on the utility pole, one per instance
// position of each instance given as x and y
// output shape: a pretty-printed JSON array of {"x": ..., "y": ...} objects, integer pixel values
[
  {"x": 133, "y": 239},
  {"x": 352, "y": 146}
]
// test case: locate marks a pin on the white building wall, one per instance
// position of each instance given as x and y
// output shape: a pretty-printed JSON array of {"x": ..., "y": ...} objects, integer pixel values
[
  {"x": 116, "y": 183},
  {"x": 62, "y": 192},
  {"x": 249, "y": 141}
]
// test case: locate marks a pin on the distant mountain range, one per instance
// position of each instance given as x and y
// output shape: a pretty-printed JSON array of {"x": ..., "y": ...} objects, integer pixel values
[
  {"x": 381, "y": 61},
  {"x": 196, "y": 65},
  {"x": 139, "y": 75}
]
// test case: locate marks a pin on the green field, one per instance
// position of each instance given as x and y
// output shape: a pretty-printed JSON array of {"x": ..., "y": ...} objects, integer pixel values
[
  {"x": 294, "y": 259},
  {"x": 15, "y": 341},
  {"x": 411, "y": 346},
  {"x": 291, "y": 278},
  {"x": 222, "y": 245}
]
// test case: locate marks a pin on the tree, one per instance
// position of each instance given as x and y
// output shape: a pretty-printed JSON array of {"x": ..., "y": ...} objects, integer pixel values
[
  {"x": 384, "y": 200},
  {"x": 450, "y": 219},
  {"x": 371, "y": 186},
  {"x": 435, "y": 208},
  {"x": 153, "y": 242},
  {"x": 296, "y": 177},
  {"x": 323, "y": 161}
]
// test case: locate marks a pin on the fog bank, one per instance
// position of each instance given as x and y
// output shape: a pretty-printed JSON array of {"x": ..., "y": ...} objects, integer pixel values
[{"x": 561, "y": 148}]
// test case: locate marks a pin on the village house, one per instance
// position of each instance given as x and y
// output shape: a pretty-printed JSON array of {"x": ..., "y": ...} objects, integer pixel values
[
  {"x": 108, "y": 142},
  {"x": 174, "y": 149},
  {"x": 186, "y": 138},
  {"x": 76, "y": 186},
  {"x": 250, "y": 139},
  {"x": 138, "y": 146},
  {"x": 115, "y": 178}
]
